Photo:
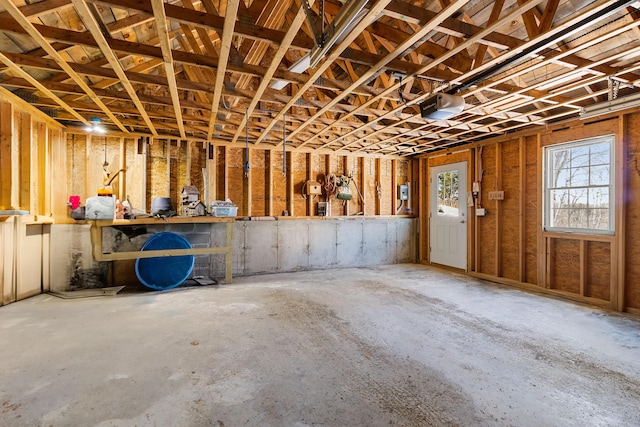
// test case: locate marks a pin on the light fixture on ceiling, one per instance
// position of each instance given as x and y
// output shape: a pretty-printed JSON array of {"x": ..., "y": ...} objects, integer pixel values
[
  {"x": 95, "y": 126},
  {"x": 299, "y": 67},
  {"x": 347, "y": 18},
  {"x": 610, "y": 106}
]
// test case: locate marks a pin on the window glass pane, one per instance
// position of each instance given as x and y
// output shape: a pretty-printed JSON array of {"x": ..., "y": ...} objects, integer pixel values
[
  {"x": 599, "y": 219},
  {"x": 562, "y": 178},
  {"x": 560, "y": 159},
  {"x": 580, "y": 156},
  {"x": 599, "y": 198},
  {"x": 600, "y": 154},
  {"x": 559, "y": 218},
  {"x": 577, "y": 218},
  {"x": 580, "y": 177},
  {"x": 448, "y": 193},
  {"x": 559, "y": 198},
  {"x": 599, "y": 175},
  {"x": 578, "y": 198},
  {"x": 579, "y": 185}
]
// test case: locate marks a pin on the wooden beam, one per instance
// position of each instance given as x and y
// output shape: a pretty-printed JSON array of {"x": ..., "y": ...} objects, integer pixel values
[
  {"x": 269, "y": 183},
  {"x": 290, "y": 182},
  {"x": 226, "y": 44},
  {"x": 522, "y": 209},
  {"x": 275, "y": 62},
  {"x": 90, "y": 22},
  {"x": 498, "y": 210},
  {"x": 24, "y": 166},
  {"x": 18, "y": 70},
  {"x": 310, "y": 157},
  {"x": 548, "y": 15},
  {"x": 371, "y": 15},
  {"x": 379, "y": 186},
  {"x": 400, "y": 49},
  {"x": 493, "y": 17},
  {"x": 33, "y": 32},
  {"x": 122, "y": 177},
  {"x": 41, "y": 169},
  {"x": 394, "y": 186},
  {"x": 247, "y": 186},
  {"x": 618, "y": 246},
  {"x": 212, "y": 172},
  {"x": 6, "y": 137},
  {"x": 433, "y": 64},
  {"x": 582, "y": 253},
  {"x": 542, "y": 243},
  {"x": 363, "y": 184},
  {"x": 163, "y": 35}
]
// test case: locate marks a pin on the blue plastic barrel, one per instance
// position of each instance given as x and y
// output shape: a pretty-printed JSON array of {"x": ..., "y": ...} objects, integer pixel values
[{"x": 165, "y": 272}]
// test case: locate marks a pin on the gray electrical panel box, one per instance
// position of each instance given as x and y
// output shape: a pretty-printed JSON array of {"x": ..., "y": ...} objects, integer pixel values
[{"x": 403, "y": 192}]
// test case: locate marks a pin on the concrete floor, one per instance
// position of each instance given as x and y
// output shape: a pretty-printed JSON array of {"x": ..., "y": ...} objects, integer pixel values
[{"x": 396, "y": 345}]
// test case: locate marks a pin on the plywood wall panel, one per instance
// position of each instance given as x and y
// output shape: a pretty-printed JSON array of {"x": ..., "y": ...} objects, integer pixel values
[
  {"x": 581, "y": 131},
  {"x": 532, "y": 182},
  {"x": 235, "y": 167},
  {"x": 135, "y": 174},
  {"x": 632, "y": 220},
  {"x": 299, "y": 178},
  {"x": 388, "y": 193},
  {"x": 58, "y": 185},
  {"x": 75, "y": 172},
  {"x": 279, "y": 184},
  {"x": 486, "y": 225},
  {"x": 220, "y": 172},
  {"x": 598, "y": 271},
  {"x": 369, "y": 187},
  {"x": 198, "y": 164},
  {"x": 177, "y": 172},
  {"x": 6, "y": 135},
  {"x": 510, "y": 219},
  {"x": 157, "y": 170},
  {"x": 259, "y": 171},
  {"x": 352, "y": 168},
  {"x": 24, "y": 126},
  {"x": 565, "y": 265}
]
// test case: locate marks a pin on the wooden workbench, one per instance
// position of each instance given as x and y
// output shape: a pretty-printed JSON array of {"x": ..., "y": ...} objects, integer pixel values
[{"x": 227, "y": 250}]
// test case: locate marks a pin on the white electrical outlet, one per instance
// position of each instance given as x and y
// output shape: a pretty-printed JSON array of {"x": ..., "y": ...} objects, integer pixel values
[{"x": 481, "y": 212}]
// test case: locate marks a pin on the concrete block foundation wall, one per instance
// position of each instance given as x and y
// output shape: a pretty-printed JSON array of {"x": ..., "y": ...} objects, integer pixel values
[{"x": 259, "y": 247}]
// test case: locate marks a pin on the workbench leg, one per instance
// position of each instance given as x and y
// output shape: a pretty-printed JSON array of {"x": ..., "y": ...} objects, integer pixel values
[
  {"x": 96, "y": 241},
  {"x": 228, "y": 256}
]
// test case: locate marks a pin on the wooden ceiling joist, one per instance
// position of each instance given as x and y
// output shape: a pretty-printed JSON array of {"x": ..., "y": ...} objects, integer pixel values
[{"x": 93, "y": 27}]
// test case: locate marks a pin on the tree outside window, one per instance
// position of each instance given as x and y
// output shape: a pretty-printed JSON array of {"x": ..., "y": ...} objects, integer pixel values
[{"x": 448, "y": 190}]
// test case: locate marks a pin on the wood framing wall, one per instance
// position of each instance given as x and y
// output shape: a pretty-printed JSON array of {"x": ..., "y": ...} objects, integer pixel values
[
  {"x": 273, "y": 184},
  {"x": 32, "y": 161},
  {"x": 509, "y": 244}
]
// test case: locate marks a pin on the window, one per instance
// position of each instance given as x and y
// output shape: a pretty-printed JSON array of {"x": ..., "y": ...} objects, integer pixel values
[
  {"x": 448, "y": 193},
  {"x": 578, "y": 189}
]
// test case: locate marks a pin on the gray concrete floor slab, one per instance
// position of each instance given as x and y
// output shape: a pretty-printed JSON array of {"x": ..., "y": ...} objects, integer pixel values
[{"x": 401, "y": 345}]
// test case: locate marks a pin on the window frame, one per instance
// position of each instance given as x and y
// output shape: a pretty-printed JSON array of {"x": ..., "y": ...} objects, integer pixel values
[{"x": 547, "y": 187}]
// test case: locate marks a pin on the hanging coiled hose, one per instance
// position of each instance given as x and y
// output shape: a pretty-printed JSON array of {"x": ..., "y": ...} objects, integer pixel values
[{"x": 330, "y": 185}]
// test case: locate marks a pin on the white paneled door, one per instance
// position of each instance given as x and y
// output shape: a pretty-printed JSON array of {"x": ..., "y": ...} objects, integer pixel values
[{"x": 448, "y": 215}]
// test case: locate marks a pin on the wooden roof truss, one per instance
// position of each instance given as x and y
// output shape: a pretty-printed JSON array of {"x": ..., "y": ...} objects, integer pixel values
[{"x": 201, "y": 69}]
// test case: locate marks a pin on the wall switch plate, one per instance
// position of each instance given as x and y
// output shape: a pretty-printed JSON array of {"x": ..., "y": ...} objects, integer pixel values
[
  {"x": 481, "y": 212},
  {"x": 496, "y": 195}
]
